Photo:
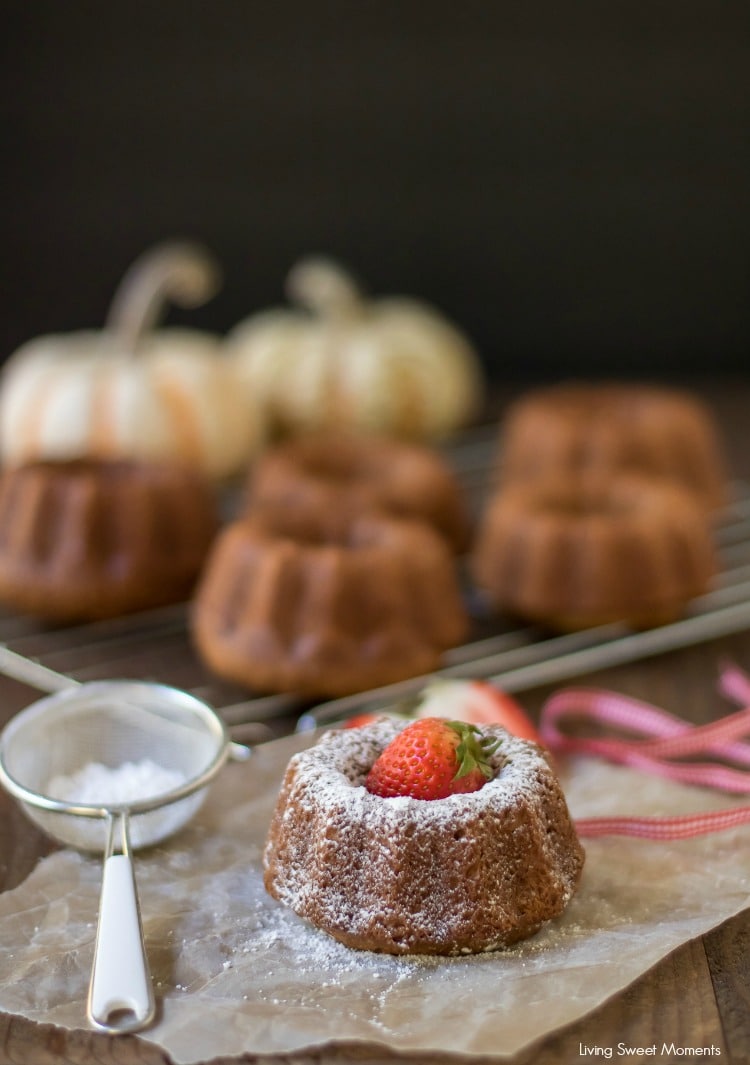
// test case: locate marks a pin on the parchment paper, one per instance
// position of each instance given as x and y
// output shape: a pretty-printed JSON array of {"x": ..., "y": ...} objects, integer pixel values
[{"x": 235, "y": 971}]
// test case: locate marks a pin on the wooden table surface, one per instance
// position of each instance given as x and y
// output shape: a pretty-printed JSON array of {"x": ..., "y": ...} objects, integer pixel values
[{"x": 699, "y": 996}]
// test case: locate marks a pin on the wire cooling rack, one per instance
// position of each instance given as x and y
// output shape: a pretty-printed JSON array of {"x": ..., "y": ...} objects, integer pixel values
[{"x": 156, "y": 645}]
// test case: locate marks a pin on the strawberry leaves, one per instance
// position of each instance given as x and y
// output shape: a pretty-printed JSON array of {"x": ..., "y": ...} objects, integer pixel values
[{"x": 473, "y": 750}]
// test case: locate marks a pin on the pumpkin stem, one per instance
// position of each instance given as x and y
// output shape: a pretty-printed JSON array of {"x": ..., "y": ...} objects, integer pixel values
[
  {"x": 184, "y": 273},
  {"x": 325, "y": 288}
]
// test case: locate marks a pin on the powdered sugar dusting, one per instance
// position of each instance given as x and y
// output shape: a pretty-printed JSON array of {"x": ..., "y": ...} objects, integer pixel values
[
  {"x": 95, "y": 784},
  {"x": 470, "y": 872},
  {"x": 102, "y": 785}
]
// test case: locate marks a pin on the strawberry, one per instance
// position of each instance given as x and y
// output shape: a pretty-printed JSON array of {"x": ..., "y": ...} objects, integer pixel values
[
  {"x": 431, "y": 759},
  {"x": 478, "y": 702}
]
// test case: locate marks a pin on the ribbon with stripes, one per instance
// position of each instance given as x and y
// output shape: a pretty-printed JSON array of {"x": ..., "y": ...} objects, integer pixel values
[{"x": 662, "y": 742}]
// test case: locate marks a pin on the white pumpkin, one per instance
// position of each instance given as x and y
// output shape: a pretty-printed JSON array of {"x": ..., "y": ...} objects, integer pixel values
[
  {"x": 130, "y": 391},
  {"x": 393, "y": 365}
]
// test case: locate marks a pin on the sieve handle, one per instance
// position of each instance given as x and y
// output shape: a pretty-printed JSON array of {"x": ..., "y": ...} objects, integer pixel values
[
  {"x": 121, "y": 997},
  {"x": 33, "y": 673}
]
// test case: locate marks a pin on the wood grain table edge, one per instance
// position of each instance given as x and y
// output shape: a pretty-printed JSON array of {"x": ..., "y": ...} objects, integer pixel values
[{"x": 728, "y": 956}]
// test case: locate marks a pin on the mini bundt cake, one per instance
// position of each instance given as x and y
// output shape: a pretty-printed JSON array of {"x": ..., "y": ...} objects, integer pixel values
[
  {"x": 354, "y": 473},
  {"x": 329, "y": 606},
  {"x": 86, "y": 539},
  {"x": 593, "y": 430},
  {"x": 573, "y": 554},
  {"x": 456, "y": 875}
]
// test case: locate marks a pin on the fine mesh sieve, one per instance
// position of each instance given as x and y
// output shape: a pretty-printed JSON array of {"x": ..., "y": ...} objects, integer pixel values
[{"x": 113, "y": 723}]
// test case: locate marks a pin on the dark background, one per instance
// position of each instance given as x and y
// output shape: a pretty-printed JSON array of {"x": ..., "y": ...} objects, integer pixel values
[{"x": 567, "y": 181}]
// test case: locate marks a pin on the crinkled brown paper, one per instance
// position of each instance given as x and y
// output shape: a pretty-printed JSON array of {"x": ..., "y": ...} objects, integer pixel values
[{"x": 235, "y": 971}]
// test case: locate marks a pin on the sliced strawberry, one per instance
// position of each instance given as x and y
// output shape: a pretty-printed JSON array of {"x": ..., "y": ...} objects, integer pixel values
[
  {"x": 367, "y": 718},
  {"x": 477, "y": 702},
  {"x": 359, "y": 720}
]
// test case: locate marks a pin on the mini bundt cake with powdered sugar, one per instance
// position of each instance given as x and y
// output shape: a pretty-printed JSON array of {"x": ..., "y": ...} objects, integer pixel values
[{"x": 467, "y": 873}]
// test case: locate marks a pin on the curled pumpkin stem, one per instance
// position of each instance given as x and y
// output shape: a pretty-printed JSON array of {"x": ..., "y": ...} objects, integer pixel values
[
  {"x": 183, "y": 273},
  {"x": 325, "y": 289}
]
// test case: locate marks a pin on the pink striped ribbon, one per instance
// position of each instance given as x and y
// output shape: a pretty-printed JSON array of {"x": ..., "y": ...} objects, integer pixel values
[{"x": 662, "y": 740}]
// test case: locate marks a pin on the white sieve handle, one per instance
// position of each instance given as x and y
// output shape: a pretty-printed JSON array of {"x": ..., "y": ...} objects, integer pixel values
[{"x": 121, "y": 997}]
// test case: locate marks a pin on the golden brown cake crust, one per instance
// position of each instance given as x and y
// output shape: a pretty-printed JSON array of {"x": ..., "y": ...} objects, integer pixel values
[
  {"x": 583, "y": 430},
  {"x": 575, "y": 554},
  {"x": 464, "y": 874},
  {"x": 326, "y": 608},
  {"x": 94, "y": 539},
  {"x": 356, "y": 473}
]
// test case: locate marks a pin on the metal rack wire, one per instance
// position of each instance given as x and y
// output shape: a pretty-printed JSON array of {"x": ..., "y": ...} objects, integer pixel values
[{"x": 156, "y": 645}]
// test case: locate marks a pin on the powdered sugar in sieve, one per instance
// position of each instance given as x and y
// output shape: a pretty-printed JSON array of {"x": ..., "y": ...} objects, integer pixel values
[{"x": 96, "y": 784}]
